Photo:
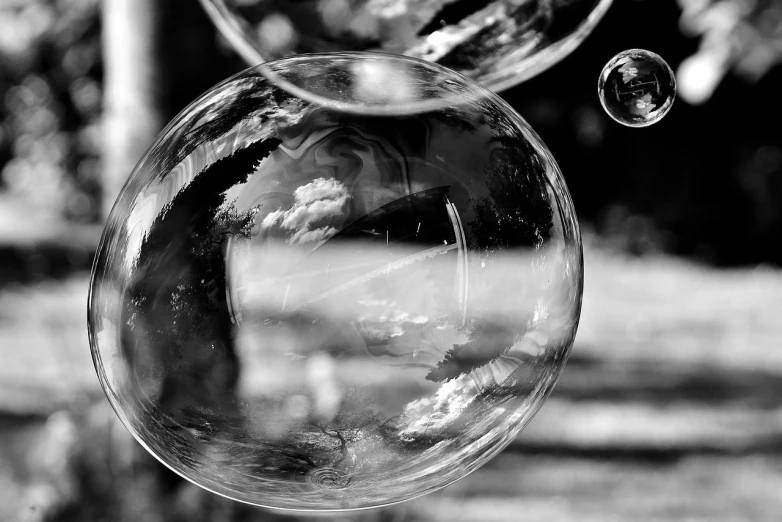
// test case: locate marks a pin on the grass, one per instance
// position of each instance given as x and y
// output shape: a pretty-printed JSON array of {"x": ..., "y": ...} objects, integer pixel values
[{"x": 669, "y": 410}]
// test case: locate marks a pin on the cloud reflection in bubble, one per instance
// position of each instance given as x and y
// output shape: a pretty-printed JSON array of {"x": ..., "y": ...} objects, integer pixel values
[{"x": 302, "y": 307}]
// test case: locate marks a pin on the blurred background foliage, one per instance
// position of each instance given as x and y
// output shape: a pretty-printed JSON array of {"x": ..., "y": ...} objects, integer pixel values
[
  {"x": 704, "y": 182},
  {"x": 51, "y": 81}
]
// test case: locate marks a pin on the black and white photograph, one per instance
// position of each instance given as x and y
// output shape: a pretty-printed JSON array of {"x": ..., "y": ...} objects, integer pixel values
[{"x": 390, "y": 260}]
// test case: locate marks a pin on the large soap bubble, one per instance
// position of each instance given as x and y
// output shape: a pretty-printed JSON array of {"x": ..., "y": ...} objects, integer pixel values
[
  {"x": 499, "y": 43},
  {"x": 341, "y": 304}
]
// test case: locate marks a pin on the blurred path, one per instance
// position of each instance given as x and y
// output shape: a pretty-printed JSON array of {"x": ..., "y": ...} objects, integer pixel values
[{"x": 669, "y": 409}]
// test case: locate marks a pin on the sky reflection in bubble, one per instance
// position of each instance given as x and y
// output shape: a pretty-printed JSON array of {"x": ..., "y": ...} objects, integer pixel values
[{"x": 336, "y": 306}]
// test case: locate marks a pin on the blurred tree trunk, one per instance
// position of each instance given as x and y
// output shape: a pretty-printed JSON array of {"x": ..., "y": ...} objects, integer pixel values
[{"x": 133, "y": 98}]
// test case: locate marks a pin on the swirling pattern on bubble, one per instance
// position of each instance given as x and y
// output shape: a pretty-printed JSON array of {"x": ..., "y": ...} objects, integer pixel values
[
  {"x": 310, "y": 308},
  {"x": 327, "y": 478},
  {"x": 497, "y": 42}
]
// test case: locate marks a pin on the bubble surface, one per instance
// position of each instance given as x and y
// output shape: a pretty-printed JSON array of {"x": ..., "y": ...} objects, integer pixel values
[
  {"x": 499, "y": 43},
  {"x": 637, "y": 88},
  {"x": 305, "y": 307}
]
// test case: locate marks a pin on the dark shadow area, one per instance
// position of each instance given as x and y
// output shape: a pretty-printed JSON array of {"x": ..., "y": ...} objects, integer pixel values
[
  {"x": 592, "y": 379},
  {"x": 29, "y": 264},
  {"x": 646, "y": 454}
]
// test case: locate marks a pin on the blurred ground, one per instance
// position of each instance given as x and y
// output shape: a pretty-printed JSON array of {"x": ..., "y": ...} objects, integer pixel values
[{"x": 670, "y": 408}]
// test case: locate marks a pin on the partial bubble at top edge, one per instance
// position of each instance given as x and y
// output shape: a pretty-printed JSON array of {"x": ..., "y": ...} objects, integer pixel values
[
  {"x": 498, "y": 43},
  {"x": 372, "y": 83}
]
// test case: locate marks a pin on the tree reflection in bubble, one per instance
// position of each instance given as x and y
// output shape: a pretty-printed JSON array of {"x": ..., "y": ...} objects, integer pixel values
[{"x": 304, "y": 307}]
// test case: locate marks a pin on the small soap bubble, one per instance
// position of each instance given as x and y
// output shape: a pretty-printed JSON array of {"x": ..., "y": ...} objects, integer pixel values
[
  {"x": 336, "y": 305},
  {"x": 637, "y": 88}
]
